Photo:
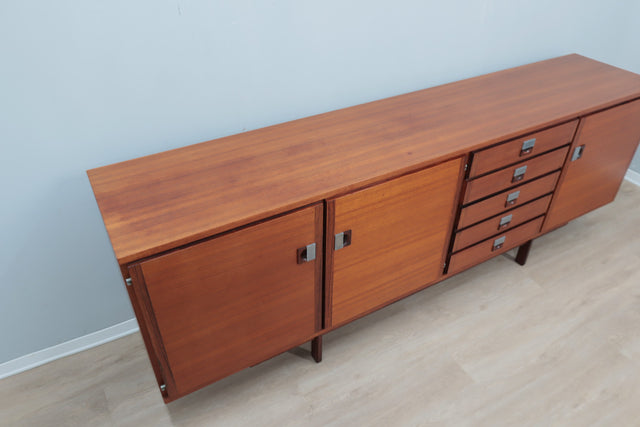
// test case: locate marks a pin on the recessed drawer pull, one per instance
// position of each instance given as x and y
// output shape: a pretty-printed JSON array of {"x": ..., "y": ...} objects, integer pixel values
[
  {"x": 499, "y": 243},
  {"x": 518, "y": 174},
  {"x": 342, "y": 239},
  {"x": 505, "y": 221},
  {"x": 512, "y": 198},
  {"x": 527, "y": 147},
  {"x": 306, "y": 254}
]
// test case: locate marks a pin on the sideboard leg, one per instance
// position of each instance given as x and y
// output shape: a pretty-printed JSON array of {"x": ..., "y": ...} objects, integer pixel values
[
  {"x": 523, "y": 253},
  {"x": 316, "y": 349}
]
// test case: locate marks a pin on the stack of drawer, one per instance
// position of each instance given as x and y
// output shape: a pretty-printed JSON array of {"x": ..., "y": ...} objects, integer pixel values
[{"x": 507, "y": 194}]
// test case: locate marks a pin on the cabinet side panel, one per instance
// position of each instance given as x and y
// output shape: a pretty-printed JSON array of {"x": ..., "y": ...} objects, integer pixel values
[
  {"x": 398, "y": 236},
  {"x": 609, "y": 139},
  {"x": 238, "y": 299},
  {"x": 145, "y": 327},
  {"x": 149, "y": 326}
]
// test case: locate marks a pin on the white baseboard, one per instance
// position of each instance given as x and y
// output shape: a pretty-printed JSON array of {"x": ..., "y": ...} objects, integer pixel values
[
  {"x": 67, "y": 348},
  {"x": 633, "y": 176}
]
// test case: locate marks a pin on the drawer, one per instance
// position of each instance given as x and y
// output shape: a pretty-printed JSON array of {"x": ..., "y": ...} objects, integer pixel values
[
  {"x": 501, "y": 223},
  {"x": 506, "y": 200},
  {"x": 518, "y": 149},
  {"x": 490, "y": 248},
  {"x": 514, "y": 175}
]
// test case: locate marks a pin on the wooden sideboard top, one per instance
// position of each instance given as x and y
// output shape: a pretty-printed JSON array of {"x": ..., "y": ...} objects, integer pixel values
[{"x": 162, "y": 201}]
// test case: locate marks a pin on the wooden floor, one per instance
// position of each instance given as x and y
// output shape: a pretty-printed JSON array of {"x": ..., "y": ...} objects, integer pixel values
[{"x": 556, "y": 342}]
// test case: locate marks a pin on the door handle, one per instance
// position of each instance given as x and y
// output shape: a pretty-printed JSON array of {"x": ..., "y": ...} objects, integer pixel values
[
  {"x": 577, "y": 153},
  {"x": 342, "y": 239},
  {"x": 306, "y": 254}
]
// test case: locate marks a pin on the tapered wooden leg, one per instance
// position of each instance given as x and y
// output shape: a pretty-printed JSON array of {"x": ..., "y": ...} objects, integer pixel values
[
  {"x": 523, "y": 253},
  {"x": 316, "y": 349}
]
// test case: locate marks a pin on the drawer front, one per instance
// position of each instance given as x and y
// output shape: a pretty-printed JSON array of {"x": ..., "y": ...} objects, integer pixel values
[
  {"x": 519, "y": 149},
  {"x": 514, "y": 175},
  {"x": 500, "y": 202},
  {"x": 500, "y": 223},
  {"x": 494, "y": 246}
]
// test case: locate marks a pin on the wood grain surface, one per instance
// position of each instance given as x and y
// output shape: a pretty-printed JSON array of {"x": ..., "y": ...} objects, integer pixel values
[
  {"x": 491, "y": 226},
  {"x": 162, "y": 201},
  {"x": 610, "y": 139},
  {"x": 496, "y": 205},
  {"x": 503, "y": 178},
  {"x": 483, "y": 251},
  {"x": 233, "y": 301},
  {"x": 510, "y": 152},
  {"x": 399, "y": 232}
]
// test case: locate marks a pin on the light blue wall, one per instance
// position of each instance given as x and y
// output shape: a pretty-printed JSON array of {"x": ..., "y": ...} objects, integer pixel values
[
  {"x": 88, "y": 83},
  {"x": 631, "y": 49}
]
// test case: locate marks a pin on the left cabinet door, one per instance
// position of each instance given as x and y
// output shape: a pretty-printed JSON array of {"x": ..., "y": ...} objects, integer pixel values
[{"x": 235, "y": 300}]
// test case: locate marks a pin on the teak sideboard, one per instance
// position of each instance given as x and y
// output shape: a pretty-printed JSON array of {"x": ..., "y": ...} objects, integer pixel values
[{"x": 237, "y": 249}]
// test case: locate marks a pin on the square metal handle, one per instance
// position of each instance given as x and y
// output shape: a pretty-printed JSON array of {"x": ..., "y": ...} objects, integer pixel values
[
  {"x": 342, "y": 240},
  {"x": 498, "y": 243},
  {"x": 505, "y": 221},
  {"x": 527, "y": 147},
  {"x": 518, "y": 174},
  {"x": 577, "y": 153},
  {"x": 306, "y": 254},
  {"x": 512, "y": 199}
]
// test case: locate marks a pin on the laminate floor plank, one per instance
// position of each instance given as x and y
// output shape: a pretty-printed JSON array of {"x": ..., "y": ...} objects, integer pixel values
[{"x": 555, "y": 342}]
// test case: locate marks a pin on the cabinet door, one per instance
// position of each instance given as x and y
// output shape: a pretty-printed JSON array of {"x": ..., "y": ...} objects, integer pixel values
[
  {"x": 396, "y": 233},
  {"x": 235, "y": 300},
  {"x": 597, "y": 162}
]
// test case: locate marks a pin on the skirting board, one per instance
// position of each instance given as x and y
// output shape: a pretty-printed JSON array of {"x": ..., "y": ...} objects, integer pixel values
[
  {"x": 111, "y": 333},
  {"x": 67, "y": 348},
  {"x": 633, "y": 176}
]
